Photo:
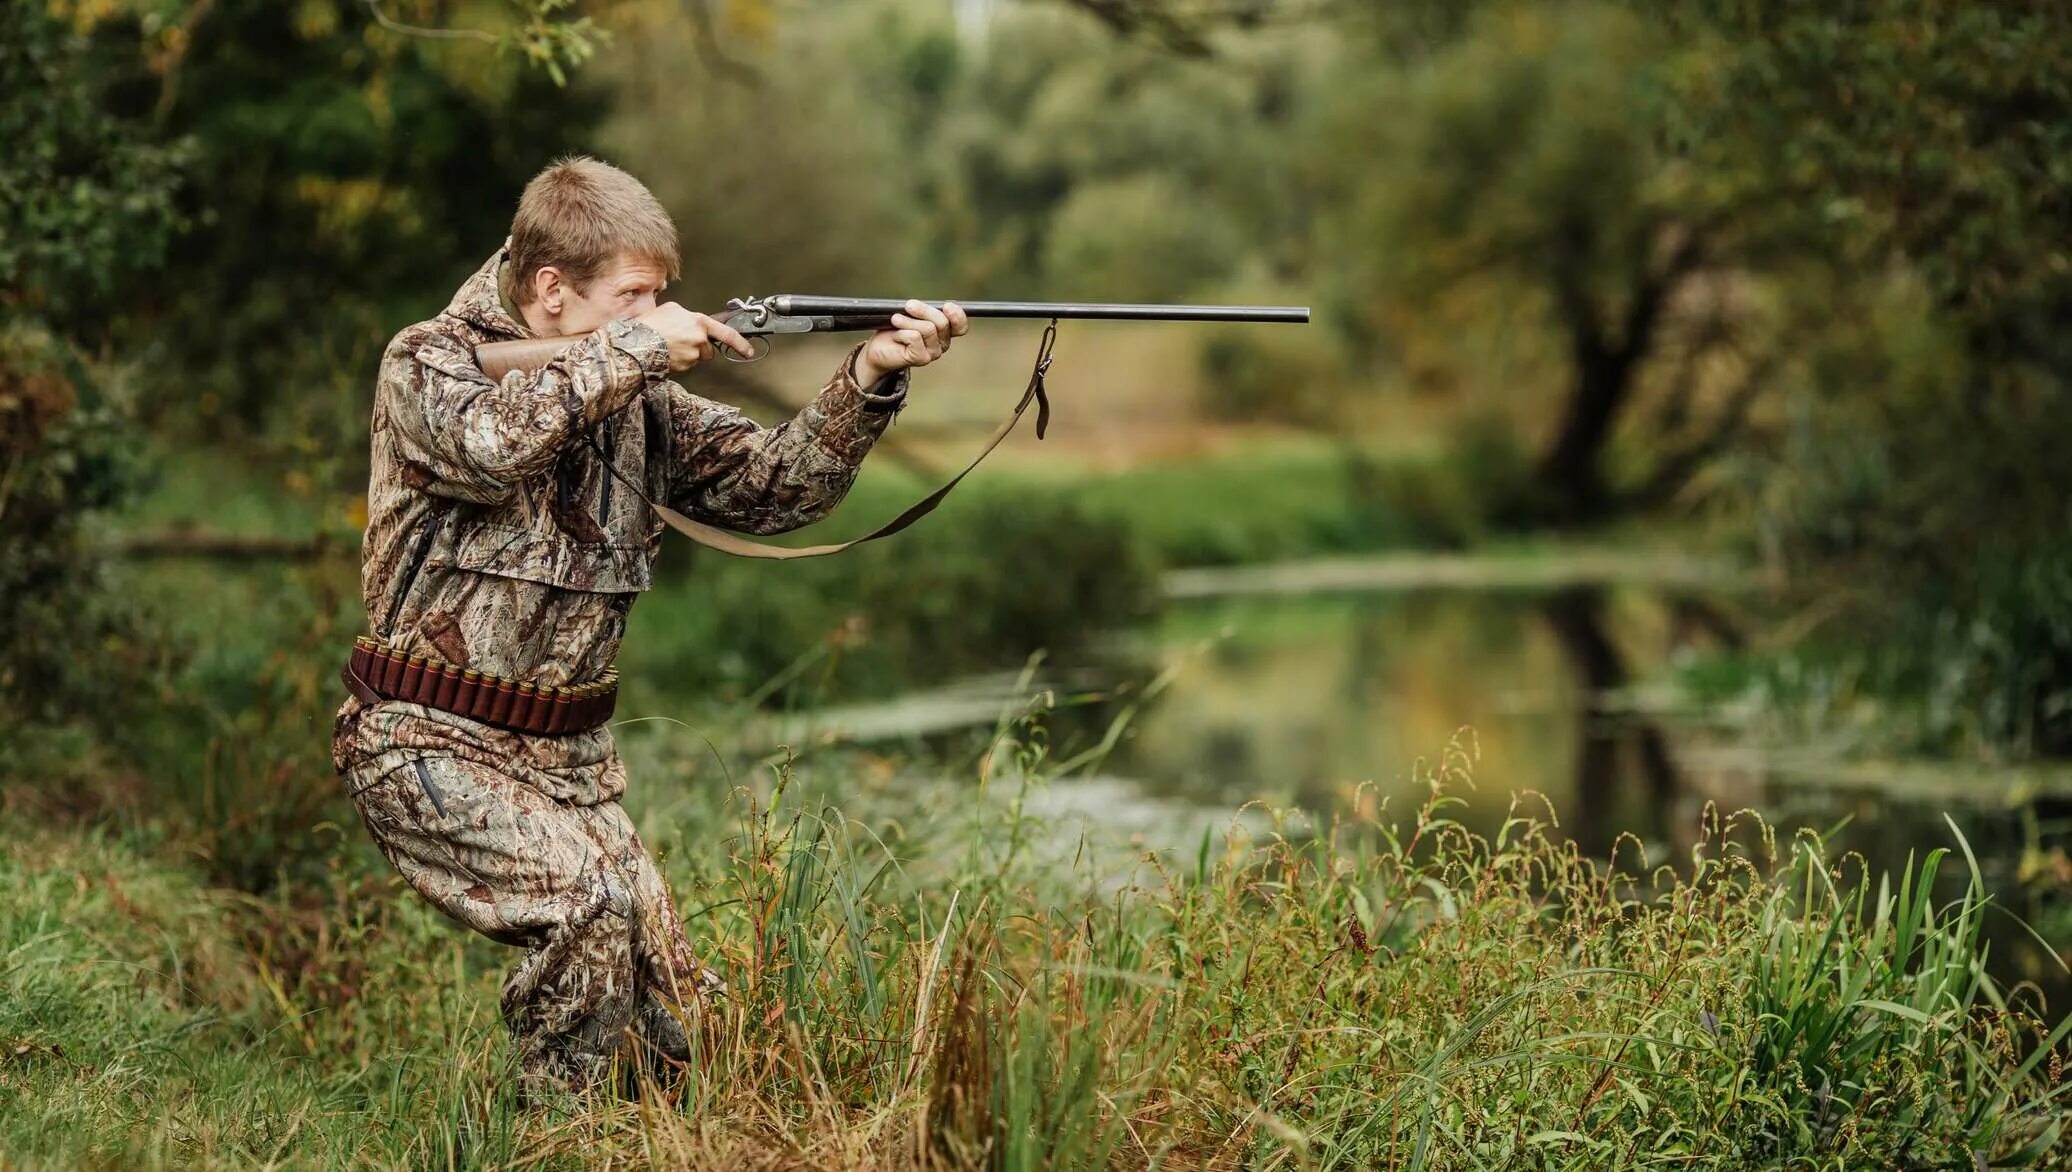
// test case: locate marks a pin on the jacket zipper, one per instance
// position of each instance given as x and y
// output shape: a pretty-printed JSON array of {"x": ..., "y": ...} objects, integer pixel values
[
  {"x": 417, "y": 557},
  {"x": 604, "y": 478}
]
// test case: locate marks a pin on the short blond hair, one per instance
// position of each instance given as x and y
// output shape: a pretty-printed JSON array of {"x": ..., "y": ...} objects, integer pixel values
[{"x": 579, "y": 215}]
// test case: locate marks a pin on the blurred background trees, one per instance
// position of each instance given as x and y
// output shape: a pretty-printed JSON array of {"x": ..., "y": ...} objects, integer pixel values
[{"x": 1775, "y": 276}]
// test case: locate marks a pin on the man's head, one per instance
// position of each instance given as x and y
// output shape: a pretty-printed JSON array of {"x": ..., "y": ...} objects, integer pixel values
[{"x": 589, "y": 244}]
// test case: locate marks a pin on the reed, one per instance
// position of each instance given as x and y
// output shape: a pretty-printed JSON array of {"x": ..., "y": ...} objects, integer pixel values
[{"x": 1367, "y": 987}]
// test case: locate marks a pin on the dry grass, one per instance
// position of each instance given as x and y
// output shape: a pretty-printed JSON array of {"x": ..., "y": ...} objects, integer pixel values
[{"x": 1381, "y": 989}]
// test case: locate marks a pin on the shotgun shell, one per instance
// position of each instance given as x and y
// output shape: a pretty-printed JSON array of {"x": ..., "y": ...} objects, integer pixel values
[
  {"x": 415, "y": 687},
  {"x": 387, "y": 670},
  {"x": 522, "y": 714},
  {"x": 467, "y": 695},
  {"x": 501, "y": 703},
  {"x": 558, "y": 712},
  {"x": 449, "y": 683}
]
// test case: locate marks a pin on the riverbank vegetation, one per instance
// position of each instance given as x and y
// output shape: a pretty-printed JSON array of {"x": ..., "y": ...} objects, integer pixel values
[{"x": 942, "y": 982}]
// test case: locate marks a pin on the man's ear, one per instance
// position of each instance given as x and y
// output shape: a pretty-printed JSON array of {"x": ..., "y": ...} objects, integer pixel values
[{"x": 548, "y": 289}]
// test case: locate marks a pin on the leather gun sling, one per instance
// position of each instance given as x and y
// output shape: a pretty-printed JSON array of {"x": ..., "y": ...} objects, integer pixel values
[{"x": 725, "y": 541}]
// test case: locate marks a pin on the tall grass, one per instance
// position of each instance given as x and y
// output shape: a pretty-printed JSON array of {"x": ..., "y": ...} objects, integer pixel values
[{"x": 1369, "y": 987}]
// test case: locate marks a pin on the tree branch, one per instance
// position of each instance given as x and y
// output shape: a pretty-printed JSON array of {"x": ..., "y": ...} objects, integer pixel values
[
  {"x": 1711, "y": 332},
  {"x": 439, "y": 34},
  {"x": 1129, "y": 17},
  {"x": 705, "y": 39},
  {"x": 1654, "y": 290},
  {"x": 1676, "y": 470},
  {"x": 176, "y": 55}
]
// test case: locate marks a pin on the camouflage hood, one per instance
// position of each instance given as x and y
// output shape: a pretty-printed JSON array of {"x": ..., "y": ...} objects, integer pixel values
[{"x": 480, "y": 300}]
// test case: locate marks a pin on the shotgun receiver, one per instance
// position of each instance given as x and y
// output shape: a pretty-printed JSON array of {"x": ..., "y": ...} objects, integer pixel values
[{"x": 795, "y": 313}]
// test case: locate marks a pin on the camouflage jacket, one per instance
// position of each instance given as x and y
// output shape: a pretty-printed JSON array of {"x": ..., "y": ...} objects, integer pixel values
[{"x": 497, "y": 541}]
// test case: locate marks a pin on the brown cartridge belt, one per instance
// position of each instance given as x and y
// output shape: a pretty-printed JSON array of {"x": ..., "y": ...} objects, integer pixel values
[{"x": 375, "y": 673}]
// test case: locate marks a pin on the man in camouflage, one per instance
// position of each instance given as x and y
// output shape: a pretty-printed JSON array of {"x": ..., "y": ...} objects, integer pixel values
[{"x": 497, "y": 541}]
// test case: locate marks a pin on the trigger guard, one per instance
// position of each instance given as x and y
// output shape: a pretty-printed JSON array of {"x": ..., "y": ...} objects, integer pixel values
[{"x": 756, "y": 342}]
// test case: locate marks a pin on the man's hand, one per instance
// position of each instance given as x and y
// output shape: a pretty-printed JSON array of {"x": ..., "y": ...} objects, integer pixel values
[
  {"x": 916, "y": 338},
  {"x": 693, "y": 337}
]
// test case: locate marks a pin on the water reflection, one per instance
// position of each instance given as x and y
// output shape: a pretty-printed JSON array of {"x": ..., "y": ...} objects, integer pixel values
[
  {"x": 1603, "y": 738},
  {"x": 1299, "y": 699},
  {"x": 1296, "y": 700}
]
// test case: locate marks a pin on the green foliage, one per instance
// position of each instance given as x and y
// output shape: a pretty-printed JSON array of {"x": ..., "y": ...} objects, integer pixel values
[
  {"x": 1483, "y": 480},
  {"x": 1522, "y": 151},
  {"x": 553, "y": 43},
  {"x": 1138, "y": 238},
  {"x": 1975, "y": 665},
  {"x": 87, "y": 185},
  {"x": 1065, "y": 163},
  {"x": 1928, "y": 143},
  {"x": 86, "y": 205},
  {"x": 1269, "y": 376},
  {"x": 346, "y": 177},
  {"x": 774, "y": 182},
  {"x": 1377, "y": 989},
  {"x": 60, "y": 462},
  {"x": 930, "y": 605},
  {"x": 1908, "y": 129}
]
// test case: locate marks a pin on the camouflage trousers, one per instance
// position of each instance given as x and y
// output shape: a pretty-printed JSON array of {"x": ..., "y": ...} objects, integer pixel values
[{"x": 608, "y": 973}]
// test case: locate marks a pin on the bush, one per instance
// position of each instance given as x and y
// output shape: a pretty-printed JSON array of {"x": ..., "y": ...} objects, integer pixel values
[
  {"x": 61, "y": 461},
  {"x": 1270, "y": 375},
  {"x": 930, "y": 604},
  {"x": 1138, "y": 238}
]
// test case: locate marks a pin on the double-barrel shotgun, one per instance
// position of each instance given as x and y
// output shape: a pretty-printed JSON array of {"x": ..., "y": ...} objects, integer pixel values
[
  {"x": 760, "y": 318},
  {"x": 757, "y": 318}
]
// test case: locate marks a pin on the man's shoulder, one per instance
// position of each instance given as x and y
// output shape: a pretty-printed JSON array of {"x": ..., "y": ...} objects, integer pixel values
[{"x": 444, "y": 331}]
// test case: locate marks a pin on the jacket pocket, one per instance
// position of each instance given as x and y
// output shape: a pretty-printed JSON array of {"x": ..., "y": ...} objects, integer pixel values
[{"x": 552, "y": 559}]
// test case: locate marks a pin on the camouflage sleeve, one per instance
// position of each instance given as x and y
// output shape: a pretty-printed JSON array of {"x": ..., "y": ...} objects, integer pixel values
[
  {"x": 727, "y": 470},
  {"x": 475, "y": 439}
]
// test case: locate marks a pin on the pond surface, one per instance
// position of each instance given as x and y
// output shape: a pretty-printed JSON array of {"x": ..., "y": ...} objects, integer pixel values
[{"x": 1295, "y": 697}]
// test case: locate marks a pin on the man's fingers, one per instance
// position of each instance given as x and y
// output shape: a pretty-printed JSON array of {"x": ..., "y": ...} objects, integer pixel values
[
  {"x": 720, "y": 331},
  {"x": 960, "y": 322},
  {"x": 930, "y": 314},
  {"x": 921, "y": 326}
]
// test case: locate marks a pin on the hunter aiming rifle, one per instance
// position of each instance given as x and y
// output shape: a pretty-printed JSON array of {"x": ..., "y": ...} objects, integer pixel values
[{"x": 759, "y": 318}]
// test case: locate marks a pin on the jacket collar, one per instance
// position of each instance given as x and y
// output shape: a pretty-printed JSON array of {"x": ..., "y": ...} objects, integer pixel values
[{"x": 480, "y": 302}]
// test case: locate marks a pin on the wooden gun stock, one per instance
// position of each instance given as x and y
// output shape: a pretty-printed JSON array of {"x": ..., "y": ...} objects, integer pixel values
[{"x": 498, "y": 359}]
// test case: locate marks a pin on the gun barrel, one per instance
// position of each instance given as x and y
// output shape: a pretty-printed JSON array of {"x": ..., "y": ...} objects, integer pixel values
[{"x": 807, "y": 305}]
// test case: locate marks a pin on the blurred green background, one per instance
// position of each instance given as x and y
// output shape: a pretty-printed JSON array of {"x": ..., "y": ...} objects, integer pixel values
[{"x": 1683, "y": 411}]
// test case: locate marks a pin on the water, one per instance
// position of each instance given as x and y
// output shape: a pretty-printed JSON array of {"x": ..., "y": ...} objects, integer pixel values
[{"x": 1297, "y": 698}]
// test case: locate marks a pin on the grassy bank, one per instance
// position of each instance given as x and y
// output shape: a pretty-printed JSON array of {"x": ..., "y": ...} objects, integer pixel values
[{"x": 1377, "y": 989}]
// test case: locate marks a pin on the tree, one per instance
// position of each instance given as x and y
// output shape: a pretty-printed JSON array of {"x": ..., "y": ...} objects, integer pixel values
[
  {"x": 1923, "y": 482},
  {"x": 1520, "y": 177},
  {"x": 87, "y": 194},
  {"x": 235, "y": 195},
  {"x": 348, "y": 172}
]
